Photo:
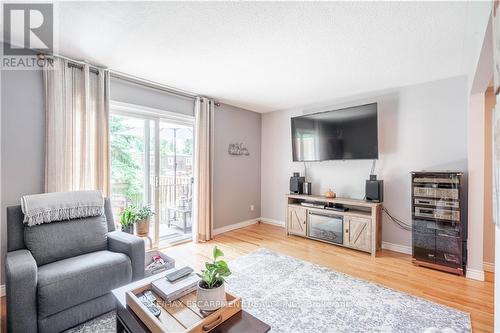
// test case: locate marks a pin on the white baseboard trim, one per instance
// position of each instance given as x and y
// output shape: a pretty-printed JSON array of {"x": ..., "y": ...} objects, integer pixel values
[
  {"x": 489, "y": 267},
  {"x": 474, "y": 274},
  {"x": 397, "y": 248},
  {"x": 2, "y": 290},
  {"x": 234, "y": 226},
  {"x": 273, "y": 222},
  {"x": 244, "y": 224}
]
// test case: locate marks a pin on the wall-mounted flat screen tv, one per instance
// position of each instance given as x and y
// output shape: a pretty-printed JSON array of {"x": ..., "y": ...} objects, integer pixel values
[{"x": 343, "y": 134}]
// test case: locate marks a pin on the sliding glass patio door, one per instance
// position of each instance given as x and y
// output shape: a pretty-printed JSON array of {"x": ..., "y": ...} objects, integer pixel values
[
  {"x": 175, "y": 181},
  {"x": 152, "y": 165}
]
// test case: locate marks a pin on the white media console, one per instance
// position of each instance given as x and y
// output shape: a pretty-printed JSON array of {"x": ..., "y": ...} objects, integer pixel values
[{"x": 359, "y": 228}]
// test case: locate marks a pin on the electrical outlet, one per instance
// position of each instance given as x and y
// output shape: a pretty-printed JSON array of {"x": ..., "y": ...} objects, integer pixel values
[{"x": 252, "y": 208}]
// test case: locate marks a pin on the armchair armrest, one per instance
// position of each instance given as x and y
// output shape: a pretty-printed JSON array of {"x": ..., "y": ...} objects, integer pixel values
[
  {"x": 21, "y": 273},
  {"x": 133, "y": 247}
]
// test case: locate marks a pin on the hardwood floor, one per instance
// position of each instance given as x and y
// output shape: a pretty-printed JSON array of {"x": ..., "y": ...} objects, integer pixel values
[{"x": 389, "y": 268}]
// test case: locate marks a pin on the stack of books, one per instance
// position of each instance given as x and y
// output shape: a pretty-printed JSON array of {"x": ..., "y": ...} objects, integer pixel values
[{"x": 170, "y": 291}]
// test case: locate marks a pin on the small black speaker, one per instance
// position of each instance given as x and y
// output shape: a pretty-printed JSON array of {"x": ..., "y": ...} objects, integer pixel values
[
  {"x": 296, "y": 183},
  {"x": 374, "y": 189}
]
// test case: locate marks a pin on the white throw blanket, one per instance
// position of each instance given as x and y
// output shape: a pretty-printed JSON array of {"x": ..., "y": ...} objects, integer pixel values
[{"x": 59, "y": 206}]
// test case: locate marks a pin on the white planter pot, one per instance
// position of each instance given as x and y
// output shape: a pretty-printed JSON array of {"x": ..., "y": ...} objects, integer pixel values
[{"x": 210, "y": 299}]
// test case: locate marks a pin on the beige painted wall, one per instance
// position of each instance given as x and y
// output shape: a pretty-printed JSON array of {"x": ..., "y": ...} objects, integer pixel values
[
  {"x": 477, "y": 159},
  {"x": 476, "y": 186},
  {"x": 489, "y": 231}
]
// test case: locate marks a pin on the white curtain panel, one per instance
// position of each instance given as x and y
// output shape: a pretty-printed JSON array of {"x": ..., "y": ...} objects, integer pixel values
[
  {"x": 203, "y": 170},
  {"x": 77, "y": 128}
]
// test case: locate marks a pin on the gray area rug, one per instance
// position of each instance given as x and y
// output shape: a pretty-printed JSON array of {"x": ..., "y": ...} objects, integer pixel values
[
  {"x": 103, "y": 324},
  {"x": 292, "y": 295}
]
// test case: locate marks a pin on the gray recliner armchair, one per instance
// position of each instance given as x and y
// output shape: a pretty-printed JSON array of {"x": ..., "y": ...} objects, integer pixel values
[{"x": 60, "y": 274}]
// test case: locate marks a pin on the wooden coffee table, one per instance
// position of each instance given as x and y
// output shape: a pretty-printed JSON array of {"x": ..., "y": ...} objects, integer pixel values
[{"x": 127, "y": 320}]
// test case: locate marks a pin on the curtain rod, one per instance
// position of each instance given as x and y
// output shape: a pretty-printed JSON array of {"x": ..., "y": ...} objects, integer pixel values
[
  {"x": 72, "y": 62},
  {"x": 80, "y": 66},
  {"x": 127, "y": 77}
]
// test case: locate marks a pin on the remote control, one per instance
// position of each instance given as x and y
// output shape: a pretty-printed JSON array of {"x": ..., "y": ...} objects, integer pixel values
[
  {"x": 151, "y": 307},
  {"x": 149, "y": 295},
  {"x": 181, "y": 272}
]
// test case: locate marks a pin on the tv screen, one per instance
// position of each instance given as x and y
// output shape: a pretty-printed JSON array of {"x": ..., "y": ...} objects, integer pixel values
[{"x": 343, "y": 134}]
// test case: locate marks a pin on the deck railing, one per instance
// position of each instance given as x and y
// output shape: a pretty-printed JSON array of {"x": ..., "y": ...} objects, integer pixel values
[
  {"x": 179, "y": 194},
  {"x": 172, "y": 192}
]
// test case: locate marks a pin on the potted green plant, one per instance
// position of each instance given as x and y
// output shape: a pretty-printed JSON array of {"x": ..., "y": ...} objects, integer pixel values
[
  {"x": 211, "y": 294},
  {"x": 142, "y": 217},
  {"x": 127, "y": 219}
]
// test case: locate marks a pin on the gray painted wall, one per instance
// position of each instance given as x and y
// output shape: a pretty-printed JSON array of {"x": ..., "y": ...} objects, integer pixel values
[
  {"x": 421, "y": 127},
  {"x": 236, "y": 178},
  {"x": 22, "y": 140}
]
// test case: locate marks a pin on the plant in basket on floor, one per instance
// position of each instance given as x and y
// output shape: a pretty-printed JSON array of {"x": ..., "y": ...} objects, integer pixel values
[
  {"x": 211, "y": 294},
  {"x": 127, "y": 219}
]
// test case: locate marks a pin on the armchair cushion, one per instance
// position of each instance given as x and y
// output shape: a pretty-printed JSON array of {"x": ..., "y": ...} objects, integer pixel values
[
  {"x": 21, "y": 282},
  {"x": 66, "y": 283},
  {"x": 133, "y": 247},
  {"x": 54, "y": 241}
]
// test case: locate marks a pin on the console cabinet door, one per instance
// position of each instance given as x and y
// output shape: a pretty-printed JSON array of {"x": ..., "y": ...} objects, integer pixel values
[
  {"x": 297, "y": 220},
  {"x": 359, "y": 232}
]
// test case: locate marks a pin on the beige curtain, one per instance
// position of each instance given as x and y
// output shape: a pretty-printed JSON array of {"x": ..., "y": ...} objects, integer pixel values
[
  {"x": 203, "y": 170},
  {"x": 77, "y": 128}
]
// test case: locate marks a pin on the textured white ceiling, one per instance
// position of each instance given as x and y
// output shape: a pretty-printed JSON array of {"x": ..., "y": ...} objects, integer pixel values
[{"x": 265, "y": 56}]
